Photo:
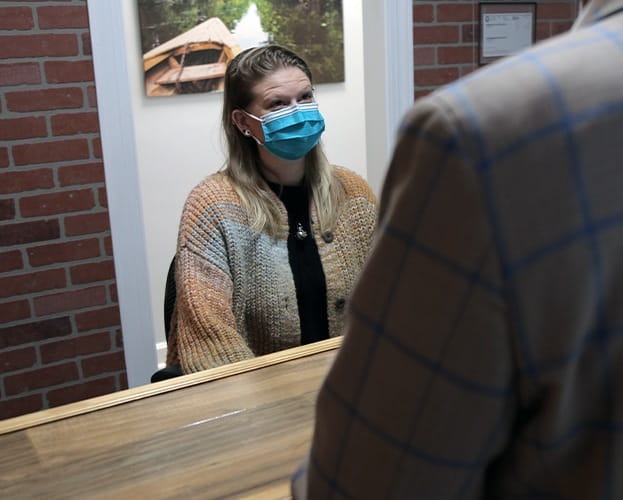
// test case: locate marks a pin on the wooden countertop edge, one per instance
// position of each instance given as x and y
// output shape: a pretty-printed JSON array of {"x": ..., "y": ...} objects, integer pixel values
[{"x": 149, "y": 390}]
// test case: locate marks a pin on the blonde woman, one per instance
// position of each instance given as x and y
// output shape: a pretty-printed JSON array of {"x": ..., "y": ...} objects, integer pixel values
[{"x": 269, "y": 247}]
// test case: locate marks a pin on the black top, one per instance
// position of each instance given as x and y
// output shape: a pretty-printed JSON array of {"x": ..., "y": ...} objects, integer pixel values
[{"x": 309, "y": 279}]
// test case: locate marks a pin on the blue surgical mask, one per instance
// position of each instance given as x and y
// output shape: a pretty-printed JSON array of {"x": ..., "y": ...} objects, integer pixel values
[{"x": 290, "y": 133}]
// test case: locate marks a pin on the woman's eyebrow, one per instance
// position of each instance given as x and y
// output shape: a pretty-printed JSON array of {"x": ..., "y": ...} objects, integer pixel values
[{"x": 286, "y": 97}]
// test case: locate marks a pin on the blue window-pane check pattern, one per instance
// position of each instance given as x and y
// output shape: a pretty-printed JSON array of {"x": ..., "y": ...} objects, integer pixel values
[{"x": 485, "y": 158}]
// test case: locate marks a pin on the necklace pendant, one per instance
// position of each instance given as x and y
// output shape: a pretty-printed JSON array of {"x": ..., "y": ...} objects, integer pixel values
[{"x": 301, "y": 234}]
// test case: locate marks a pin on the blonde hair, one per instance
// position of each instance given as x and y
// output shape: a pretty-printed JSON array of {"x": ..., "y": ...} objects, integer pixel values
[{"x": 243, "y": 164}]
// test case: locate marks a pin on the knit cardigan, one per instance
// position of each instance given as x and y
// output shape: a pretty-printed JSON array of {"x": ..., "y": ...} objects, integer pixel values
[{"x": 236, "y": 297}]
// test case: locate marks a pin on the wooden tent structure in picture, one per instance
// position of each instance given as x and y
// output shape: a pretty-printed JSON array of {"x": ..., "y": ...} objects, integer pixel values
[{"x": 192, "y": 62}]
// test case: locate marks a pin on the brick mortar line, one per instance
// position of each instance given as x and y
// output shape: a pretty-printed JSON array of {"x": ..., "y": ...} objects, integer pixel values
[
  {"x": 74, "y": 332},
  {"x": 37, "y": 30},
  {"x": 44, "y": 58},
  {"x": 53, "y": 3},
  {"x": 58, "y": 241},
  {"x": 34, "y": 318},
  {"x": 48, "y": 114},
  {"x": 72, "y": 383},
  {"x": 32, "y": 140},
  {"x": 48, "y": 139},
  {"x": 35, "y": 87},
  {"x": 64, "y": 238},
  {"x": 53, "y": 165},
  {"x": 67, "y": 265}
]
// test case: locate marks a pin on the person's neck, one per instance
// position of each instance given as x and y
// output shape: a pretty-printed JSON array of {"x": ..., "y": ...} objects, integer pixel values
[{"x": 283, "y": 172}]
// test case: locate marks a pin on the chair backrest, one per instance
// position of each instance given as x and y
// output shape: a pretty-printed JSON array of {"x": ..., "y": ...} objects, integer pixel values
[
  {"x": 169, "y": 297},
  {"x": 168, "y": 371}
]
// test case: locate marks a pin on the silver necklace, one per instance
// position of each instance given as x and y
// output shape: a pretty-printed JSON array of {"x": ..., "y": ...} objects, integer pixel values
[{"x": 301, "y": 234}]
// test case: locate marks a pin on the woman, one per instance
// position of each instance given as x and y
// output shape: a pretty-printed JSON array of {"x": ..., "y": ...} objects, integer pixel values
[{"x": 270, "y": 246}]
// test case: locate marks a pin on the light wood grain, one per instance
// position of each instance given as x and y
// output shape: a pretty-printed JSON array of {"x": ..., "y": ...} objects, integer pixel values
[
  {"x": 122, "y": 397},
  {"x": 233, "y": 436}
]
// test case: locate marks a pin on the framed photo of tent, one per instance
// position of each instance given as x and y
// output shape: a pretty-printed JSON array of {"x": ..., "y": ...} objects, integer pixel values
[{"x": 187, "y": 44}]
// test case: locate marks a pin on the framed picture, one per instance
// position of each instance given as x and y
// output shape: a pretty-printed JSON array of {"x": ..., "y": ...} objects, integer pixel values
[
  {"x": 505, "y": 28},
  {"x": 187, "y": 44}
]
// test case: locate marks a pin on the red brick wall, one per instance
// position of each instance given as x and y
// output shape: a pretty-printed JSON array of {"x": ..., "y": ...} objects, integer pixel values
[
  {"x": 60, "y": 333},
  {"x": 446, "y": 36}
]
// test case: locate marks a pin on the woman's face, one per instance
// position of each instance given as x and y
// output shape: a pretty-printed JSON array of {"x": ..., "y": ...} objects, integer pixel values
[{"x": 284, "y": 87}]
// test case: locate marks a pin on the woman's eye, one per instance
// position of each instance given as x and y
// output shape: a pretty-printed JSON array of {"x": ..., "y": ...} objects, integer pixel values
[{"x": 306, "y": 97}]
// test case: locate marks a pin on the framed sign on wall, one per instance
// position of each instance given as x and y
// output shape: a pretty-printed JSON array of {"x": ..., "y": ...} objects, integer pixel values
[{"x": 505, "y": 28}]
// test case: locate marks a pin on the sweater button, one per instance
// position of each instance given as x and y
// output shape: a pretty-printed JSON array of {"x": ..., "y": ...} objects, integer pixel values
[
  {"x": 327, "y": 236},
  {"x": 339, "y": 304}
]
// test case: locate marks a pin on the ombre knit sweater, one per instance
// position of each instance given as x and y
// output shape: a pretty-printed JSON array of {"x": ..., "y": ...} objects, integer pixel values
[{"x": 236, "y": 297}]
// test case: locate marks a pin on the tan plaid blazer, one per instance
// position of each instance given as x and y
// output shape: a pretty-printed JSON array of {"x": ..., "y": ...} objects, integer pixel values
[{"x": 483, "y": 356}]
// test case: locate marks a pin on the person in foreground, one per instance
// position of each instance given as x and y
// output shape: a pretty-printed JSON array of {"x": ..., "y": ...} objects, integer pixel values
[
  {"x": 483, "y": 354},
  {"x": 269, "y": 247}
]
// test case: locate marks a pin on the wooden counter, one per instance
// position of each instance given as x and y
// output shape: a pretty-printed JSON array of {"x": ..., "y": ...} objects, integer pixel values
[{"x": 233, "y": 432}]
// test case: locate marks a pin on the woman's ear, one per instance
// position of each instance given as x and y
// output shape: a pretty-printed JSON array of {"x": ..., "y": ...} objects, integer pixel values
[
  {"x": 240, "y": 120},
  {"x": 247, "y": 125}
]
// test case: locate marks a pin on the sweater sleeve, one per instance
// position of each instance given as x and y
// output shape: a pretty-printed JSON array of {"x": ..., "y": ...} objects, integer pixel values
[{"x": 204, "y": 333}]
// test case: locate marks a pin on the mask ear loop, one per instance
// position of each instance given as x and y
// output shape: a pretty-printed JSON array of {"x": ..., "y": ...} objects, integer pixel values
[{"x": 247, "y": 133}]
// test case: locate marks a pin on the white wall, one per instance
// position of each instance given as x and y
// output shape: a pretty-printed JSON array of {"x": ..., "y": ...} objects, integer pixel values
[{"x": 157, "y": 149}]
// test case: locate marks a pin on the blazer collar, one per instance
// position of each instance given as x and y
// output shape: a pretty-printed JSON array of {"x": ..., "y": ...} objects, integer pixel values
[{"x": 597, "y": 10}]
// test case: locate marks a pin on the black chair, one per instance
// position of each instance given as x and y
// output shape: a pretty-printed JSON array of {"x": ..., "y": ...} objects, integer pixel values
[{"x": 169, "y": 371}]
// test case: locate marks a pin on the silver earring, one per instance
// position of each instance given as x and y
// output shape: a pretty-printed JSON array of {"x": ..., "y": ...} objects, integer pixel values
[{"x": 247, "y": 132}]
